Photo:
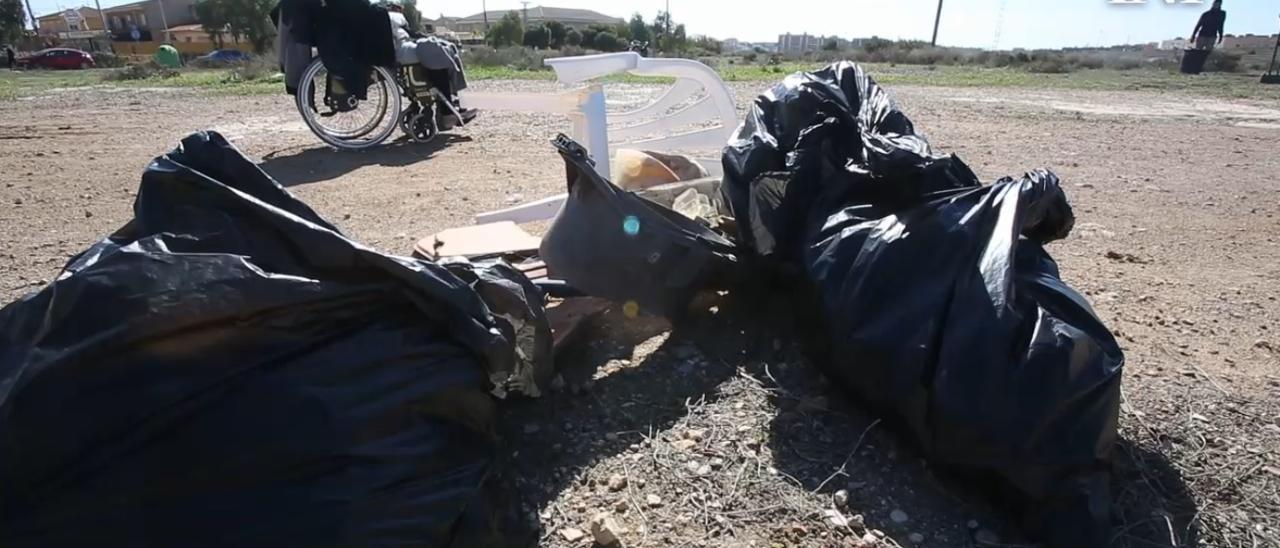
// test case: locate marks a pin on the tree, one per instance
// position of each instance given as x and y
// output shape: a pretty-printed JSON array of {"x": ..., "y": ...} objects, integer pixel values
[
  {"x": 251, "y": 19},
  {"x": 607, "y": 41},
  {"x": 638, "y": 30},
  {"x": 559, "y": 33},
  {"x": 412, "y": 15},
  {"x": 709, "y": 45},
  {"x": 12, "y": 18},
  {"x": 509, "y": 31},
  {"x": 660, "y": 29},
  {"x": 248, "y": 19},
  {"x": 537, "y": 37},
  {"x": 831, "y": 45},
  {"x": 589, "y": 38},
  {"x": 622, "y": 31},
  {"x": 212, "y": 18},
  {"x": 573, "y": 38}
]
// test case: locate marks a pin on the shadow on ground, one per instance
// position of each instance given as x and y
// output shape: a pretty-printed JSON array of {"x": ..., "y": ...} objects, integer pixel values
[
  {"x": 324, "y": 163},
  {"x": 631, "y": 413},
  {"x": 1153, "y": 505}
]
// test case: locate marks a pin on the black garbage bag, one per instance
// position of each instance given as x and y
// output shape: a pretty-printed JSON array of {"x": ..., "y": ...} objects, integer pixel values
[
  {"x": 229, "y": 370},
  {"x": 931, "y": 299},
  {"x": 816, "y": 142},
  {"x": 618, "y": 245}
]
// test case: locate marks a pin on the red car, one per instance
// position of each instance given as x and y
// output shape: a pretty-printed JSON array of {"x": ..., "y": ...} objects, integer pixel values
[{"x": 58, "y": 58}]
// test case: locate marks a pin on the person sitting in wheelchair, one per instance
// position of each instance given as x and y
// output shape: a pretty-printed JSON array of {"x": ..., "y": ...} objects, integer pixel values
[{"x": 440, "y": 60}]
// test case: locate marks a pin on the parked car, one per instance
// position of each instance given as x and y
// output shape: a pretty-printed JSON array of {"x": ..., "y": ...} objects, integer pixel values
[
  {"x": 223, "y": 57},
  {"x": 58, "y": 58}
]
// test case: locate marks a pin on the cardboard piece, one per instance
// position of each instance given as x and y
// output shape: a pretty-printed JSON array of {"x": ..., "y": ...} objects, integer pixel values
[{"x": 478, "y": 241}]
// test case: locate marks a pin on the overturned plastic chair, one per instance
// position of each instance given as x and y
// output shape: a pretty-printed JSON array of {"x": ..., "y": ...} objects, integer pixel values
[{"x": 696, "y": 116}]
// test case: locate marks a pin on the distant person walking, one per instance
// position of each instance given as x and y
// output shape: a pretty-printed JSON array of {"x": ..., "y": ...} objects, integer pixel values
[{"x": 1209, "y": 29}]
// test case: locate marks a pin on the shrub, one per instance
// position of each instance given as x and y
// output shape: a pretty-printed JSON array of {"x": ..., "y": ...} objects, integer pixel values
[
  {"x": 1084, "y": 61},
  {"x": 749, "y": 57},
  {"x": 103, "y": 59},
  {"x": 512, "y": 57},
  {"x": 1049, "y": 65},
  {"x": 1124, "y": 63},
  {"x": 607, "y": 41},
  {"x": 144, "y": 71},
  {"x": 259, "y": 67},
  {"x": 1222, "y": 61}
]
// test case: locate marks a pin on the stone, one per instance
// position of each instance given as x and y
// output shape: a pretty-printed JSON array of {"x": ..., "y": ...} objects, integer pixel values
[
  {"x": 835, "y": 518},
  {"x": 898, "y": 516},
  {"x": 572, "y": 534},
  {"x": 653, "y": 501},
  {"x": 87, "y": 214},
  {"x": 605, "y": 530},
  {"x": 841, "y": 498},
  {"x": 857, "y": 521},
  {"x": 617, "y": 482},
  {"x": 916, "y": 538},
  {"x": 695, "y": 434},
  {"x": 973, "y": 524},
  {"x": 717, "y": 463},
  {"x": 683, "y": 445},
  {"x": 704, "y": 470}
]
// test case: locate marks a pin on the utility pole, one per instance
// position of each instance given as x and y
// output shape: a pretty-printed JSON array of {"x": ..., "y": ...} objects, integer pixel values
[
  {"x": 936, "y": 21},
  {"x": 484, "y": 7},
  {"x": 34, "y": 25},
  {"x": 163, "y": 21},
  {"x": 105, "y": 28},
  {"x": 524, "y": 12}
]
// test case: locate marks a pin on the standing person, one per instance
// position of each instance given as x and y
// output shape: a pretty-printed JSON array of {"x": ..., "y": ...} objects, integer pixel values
[
  {"x": 1208, "y": 30},
  {"x": 8, "y": 52}
]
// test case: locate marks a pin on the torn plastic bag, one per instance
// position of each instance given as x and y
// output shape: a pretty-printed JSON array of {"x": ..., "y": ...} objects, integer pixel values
[
  {"x": 617, "y": 245},
  {"x": 816, "y": 142},
  {"x": 229, "y": 370},
  {"x": 931, "y": 299}
]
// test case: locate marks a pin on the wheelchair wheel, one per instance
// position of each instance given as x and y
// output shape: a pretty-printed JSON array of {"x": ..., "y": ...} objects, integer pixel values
[{"x": 342, "y": 121}]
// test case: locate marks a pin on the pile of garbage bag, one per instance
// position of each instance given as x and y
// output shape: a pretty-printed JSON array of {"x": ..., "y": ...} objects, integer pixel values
[
  {"x": 229, "y": 357},
  {"x": 930, "y": 298},
  {"x": 228, "y": 369}
]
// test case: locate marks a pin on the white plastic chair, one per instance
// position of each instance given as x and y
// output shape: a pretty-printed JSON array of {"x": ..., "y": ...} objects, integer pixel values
[{"x": 712, "y": 116}]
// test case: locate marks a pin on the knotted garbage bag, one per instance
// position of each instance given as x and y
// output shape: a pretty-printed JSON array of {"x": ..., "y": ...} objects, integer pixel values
[{"x": 930, "y": 298}]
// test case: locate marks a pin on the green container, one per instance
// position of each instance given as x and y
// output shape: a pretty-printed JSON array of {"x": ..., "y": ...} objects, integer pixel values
[{"x": 167, "y": 56}]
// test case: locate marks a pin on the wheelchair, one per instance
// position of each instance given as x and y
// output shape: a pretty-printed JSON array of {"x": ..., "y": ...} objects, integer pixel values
[{"x": 343, "y": 121}]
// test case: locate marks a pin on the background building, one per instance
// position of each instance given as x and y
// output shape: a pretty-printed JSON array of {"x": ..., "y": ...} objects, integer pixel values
[
  {"x": 573, "y": 18},
  {"x": 73, "y": 27}
]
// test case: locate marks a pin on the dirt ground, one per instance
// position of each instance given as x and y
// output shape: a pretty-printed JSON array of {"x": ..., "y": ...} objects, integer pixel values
[{"x": 741, "y": 442}]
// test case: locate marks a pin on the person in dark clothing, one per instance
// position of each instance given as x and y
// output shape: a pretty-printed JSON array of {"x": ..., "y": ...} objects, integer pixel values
[
  {"x": 8, "y": 53},
  {"x": 1209, "y": 29}
]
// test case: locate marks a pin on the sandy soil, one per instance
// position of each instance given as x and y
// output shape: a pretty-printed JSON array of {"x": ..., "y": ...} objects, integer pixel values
[{"x": 1178, "y": 216}]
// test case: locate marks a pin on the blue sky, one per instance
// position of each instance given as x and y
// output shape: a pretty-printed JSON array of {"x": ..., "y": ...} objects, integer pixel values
[{"x": 973, "y": 23}]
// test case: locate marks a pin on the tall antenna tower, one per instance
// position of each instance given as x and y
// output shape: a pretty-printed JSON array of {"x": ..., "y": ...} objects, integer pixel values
[
  {"x": 995, "y": 42},
  {"x": 525, "y": 11}
]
